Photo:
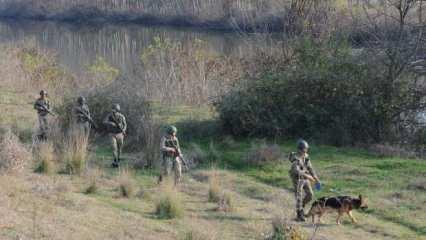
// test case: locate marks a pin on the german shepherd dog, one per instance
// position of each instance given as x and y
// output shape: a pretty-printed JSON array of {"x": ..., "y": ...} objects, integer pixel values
[{"x": 340, "y": 204}]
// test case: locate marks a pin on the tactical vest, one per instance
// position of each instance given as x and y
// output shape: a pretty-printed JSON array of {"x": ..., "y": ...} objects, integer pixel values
[
  {"x": 171, "y": 143},
  {"x": 82, "y": 112}
]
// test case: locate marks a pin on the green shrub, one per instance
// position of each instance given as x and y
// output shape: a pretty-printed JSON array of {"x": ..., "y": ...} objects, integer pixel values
[{"x": 327, "y": 92}]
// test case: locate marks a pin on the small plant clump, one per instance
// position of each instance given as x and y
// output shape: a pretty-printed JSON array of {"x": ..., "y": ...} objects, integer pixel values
[
  {"x": 93, "y": 176},
  {"x": 282, "y": 229},
  {"x": 169, "y": 205},
  {"x": 45, "y": 156},
  {"x": 226, "y": 203},
  {"x": 214, "y": 189},
  {"x": 200, "y": 234},
  {"x": 126, "y": 185}
]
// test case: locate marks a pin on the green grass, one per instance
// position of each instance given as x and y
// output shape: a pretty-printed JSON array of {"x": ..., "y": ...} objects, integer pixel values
[{"x": 345, "y": 171}]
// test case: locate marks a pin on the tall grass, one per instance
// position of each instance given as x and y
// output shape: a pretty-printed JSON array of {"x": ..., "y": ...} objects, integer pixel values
[
  {"x": 45, "y": 157},
  {"x": 75, "y": 151},
  {"x": 215, "y": 190},
  {"x": 126, "y": 184},
  {"x": 169, "y": 204}
]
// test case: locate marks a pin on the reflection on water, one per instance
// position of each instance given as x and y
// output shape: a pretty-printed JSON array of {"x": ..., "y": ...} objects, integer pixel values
[{"x": 121, "y": 45}]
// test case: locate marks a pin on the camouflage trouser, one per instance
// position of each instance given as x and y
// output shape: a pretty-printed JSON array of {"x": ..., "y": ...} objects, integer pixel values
[
  {"x": 43, "y": 126},
  {"x": 300, "y": 186},
  {"x": 117, "y": 141},
  {"x": 169, "y": 164}
]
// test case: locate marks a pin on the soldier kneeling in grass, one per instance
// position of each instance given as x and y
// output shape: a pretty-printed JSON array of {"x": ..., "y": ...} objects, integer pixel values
[{"x": 172, "y": 155}]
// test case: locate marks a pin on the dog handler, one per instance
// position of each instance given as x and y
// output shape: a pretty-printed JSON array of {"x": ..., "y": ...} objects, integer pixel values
[{"x": 302, "y": 174}]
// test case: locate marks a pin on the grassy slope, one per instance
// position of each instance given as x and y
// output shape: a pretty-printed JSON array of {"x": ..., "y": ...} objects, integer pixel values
[
  {"x": 54, "y": 207},
  {"x": 394, "y": 186}
]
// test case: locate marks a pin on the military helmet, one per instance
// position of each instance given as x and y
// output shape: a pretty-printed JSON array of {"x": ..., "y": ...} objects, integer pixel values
[
  {"x": 302, "y": 144},
  {"x": 116, "y": 107},
  {"x": 171, "y": 129},
  {"x": 81, "y": 99},
  {"x": 43, "y": 93}
]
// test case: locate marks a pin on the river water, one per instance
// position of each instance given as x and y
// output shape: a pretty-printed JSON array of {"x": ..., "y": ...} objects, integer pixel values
[{"x": 77, "y": 46}]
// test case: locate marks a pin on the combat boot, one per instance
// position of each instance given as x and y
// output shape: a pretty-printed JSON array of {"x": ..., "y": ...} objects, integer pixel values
[
  {"x": 300, "y": 216},
  {"x": 114, "y": 164}
]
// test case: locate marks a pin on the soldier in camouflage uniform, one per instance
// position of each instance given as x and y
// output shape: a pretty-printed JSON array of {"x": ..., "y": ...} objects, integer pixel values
[
  {"x": 82, "y": 116},
  {"x": 302, "y": 174},
  {"x": 171, "y": 155},
  {"x": 42, "y": 105},
  {"x": 116, "y": 125}
]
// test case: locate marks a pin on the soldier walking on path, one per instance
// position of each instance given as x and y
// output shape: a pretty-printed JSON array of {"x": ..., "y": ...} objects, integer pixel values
[
  {"x": 116, "y": 125},
  {"x": 302, "y": 174},
  {"x": 171, "y": 155},
  {"x": 42, "y": 105},
  {"x": 82, "y": 116}
]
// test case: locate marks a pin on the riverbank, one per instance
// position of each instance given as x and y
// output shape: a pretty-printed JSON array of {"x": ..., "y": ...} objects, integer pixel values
[{"x": 219, "y": 15}]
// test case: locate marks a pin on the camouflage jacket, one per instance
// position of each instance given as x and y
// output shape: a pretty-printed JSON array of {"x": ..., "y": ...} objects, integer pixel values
[
  {"x": 115, "y": 123},
  {"x": 42, "y": 106},
  {"x": 301, "y": 165},
  {"x": 82, "y": 113},
  {"x": 168, "y": 143}
]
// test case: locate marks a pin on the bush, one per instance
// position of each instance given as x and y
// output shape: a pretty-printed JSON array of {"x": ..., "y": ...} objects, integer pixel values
[
  {"x": 260, "y": 154},
  {"x": 169, "y": 205},
  {"x": 284, "y": 230},
  {"x": 14, "y": 156},
  {"x": 325, "y": 92},
  {"x": 45, "y": 156}
]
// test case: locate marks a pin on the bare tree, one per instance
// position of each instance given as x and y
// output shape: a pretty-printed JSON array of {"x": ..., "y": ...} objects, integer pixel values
[{"x": 393, "y": 39}]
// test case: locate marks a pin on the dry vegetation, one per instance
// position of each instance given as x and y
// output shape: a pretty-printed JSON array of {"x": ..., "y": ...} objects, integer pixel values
[
  {"x": 14, "y": 156},
  {"x": 263, "y": 153}
]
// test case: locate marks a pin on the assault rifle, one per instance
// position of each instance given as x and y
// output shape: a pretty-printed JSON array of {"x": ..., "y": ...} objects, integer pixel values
[
  {"x": 118, "y": 125},
  {"x": 179, "y": 155},
  {"x": 45, "y": 109},
  {"x": 88, "y": 118}
]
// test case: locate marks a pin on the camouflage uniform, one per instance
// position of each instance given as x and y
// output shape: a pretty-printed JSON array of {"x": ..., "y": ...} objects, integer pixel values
[
  {"x": 82, "y": 117},
  {"x": 301, "y": 165},
  {"x": 116, "y": 127},
  {"x": 43, "y": 107},
  {"x": 171, "y": 160}
]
